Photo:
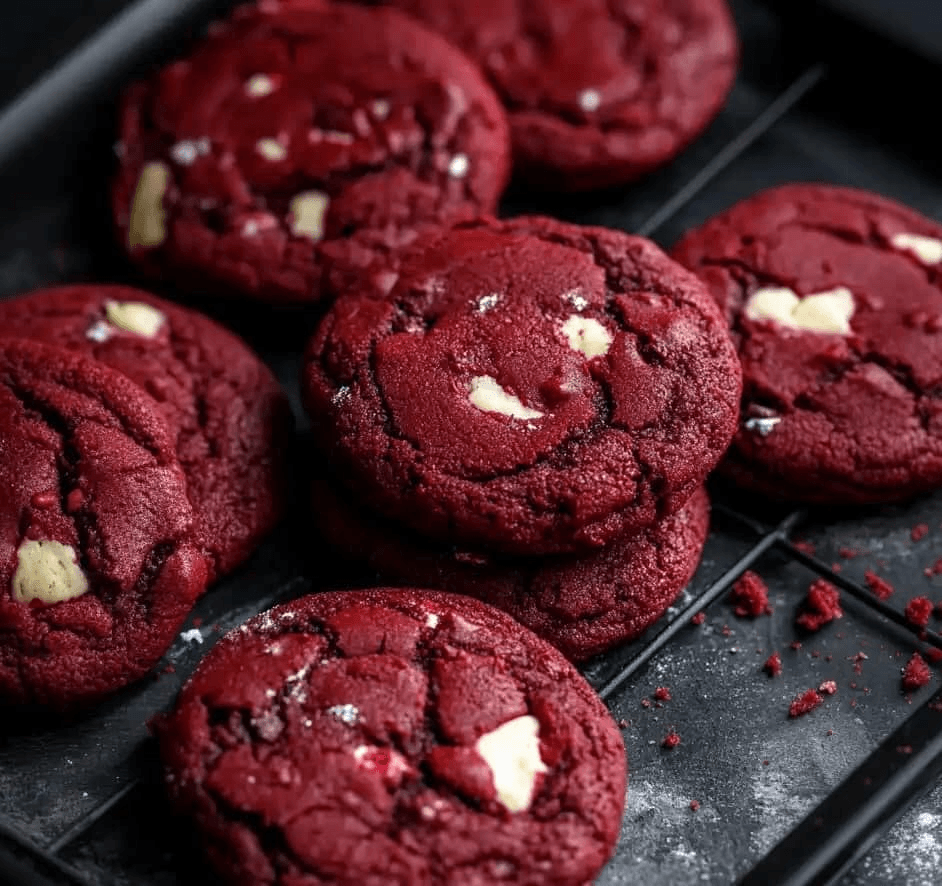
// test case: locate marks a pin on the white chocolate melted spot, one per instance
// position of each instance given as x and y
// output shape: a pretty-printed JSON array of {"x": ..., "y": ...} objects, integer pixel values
[
  {"x": 512, "y": 753},
  {"x": 927, "y": 249},
  {"x": 458, "y": 166},
  {"x": 308, "y": 210},
  {"x": 259, "y": 85},
  {"x": 147, "y": 225},
  {"x": 271, "y": 149},
  {"x": 587, "y": 336},
  {"x": 828, "y": 311},
  {"x": 47, "y": 571},
  {"x": 488, "y": 396},
  {"x": 590, "y": 100},
  {"x": 135, "y": 316}
]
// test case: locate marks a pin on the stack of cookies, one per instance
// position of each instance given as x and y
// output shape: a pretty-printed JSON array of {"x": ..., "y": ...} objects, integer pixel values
[
  {"x": 142, "y": 458},
  {"x": 526, "y": 415}
]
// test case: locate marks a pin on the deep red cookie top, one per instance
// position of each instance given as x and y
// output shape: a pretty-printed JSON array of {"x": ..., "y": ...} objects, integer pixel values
[
  {"x": 598, "y": 92},
  {"x": 98, "y": 561},
  {"x": 231, "y": 419},
  {"x": 395, "y": 737},
  {"x": 581, "y": 604},
  {"x": 529, "y": 386},
  {"x": 835, "y": 300},
  {"x": 293, "y": 125}
]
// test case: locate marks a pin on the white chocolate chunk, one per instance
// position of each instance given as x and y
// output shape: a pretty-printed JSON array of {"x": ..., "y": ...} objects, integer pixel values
[
  {"x": 99, "y": 331},
  {"x": 927, "y": 249},
  {"x": 512, "y": 753},
  {"x": 259, "y": 85},
  {"x": 828, "y": 311},
  {"x": 431, "y": 620},
  {"x": 590, "y": 100},
  {"x": 308, "y": 210},
  {"x": 488, "y": 396},
  {"x": 576, "y": 299},
  {"x": 486, "y": 302},
  {"x": 587, "y": 336},
  {"x": 762, "y": 426},
  {"x": 271, "y": 149},
  {"x": 147, "y": 226},
  {"x": 135, "y": 316},
  {"x": 47, "y": 571},
  {"x": 772, "y": 303},
  {"x": 458, "y": 166}
]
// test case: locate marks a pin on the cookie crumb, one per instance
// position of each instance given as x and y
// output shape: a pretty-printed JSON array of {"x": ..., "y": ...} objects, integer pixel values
[
  {"x": 806, "y": 547},
  {"x": 804, "y": 703},
  {"x": 645, "y": 702},
  {"x": 822, "y": 605},
  {"x": 795, "y": 644},
  {"x": 773, "y": 665},
  {"x": 694, "y": 805},
  {"x": 880, "y": 587},
  {"x": 918, "y": 610},
  {"x": 750, "y": 596},
  {"x": 858, "y": 660},
  {"x": 916, "y": 674},
  {"x": 933, "y": 655},
  {"x": 934, "y": 569},
  {"x": 671, "y": 740},
  {"x": 698, "y": 619},
  {"x": 828, "y": 687},
  {"x": 662, "y": 693},
  {"x": 919, "y": 531},
  {"x": 848, "y": 553}
]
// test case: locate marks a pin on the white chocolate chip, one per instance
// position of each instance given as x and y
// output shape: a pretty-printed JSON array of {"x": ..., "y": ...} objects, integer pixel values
[
  {"x": 380, "y": 108},
  {"x": 308, "y": 210},
  {"x": 576, "y": 299},
  {"x": 826, "y": 311},
  {"x": 927, "y": 249},
  {"x": 271, "y": 149},
  {"x": 47, "y": 571},
  {"x": 512, "y": 753},
  {"x": 147, "y": 226},
  {"x": 458, "y": 166},
  {"x": 488, "y": 396},
  {"x": 259, "y": 85},
  {"x": 590, "y": 100},
  {"x": 135, "y": 316},
  {"x": 587, "y": 336},
  {"x": 193, "y": 635},
  {"x": 431, "y": 620},
  {"x": 820, "y": 312},
  {"x": 762, "y": 426},
  {"x": 99, "y": 331}
]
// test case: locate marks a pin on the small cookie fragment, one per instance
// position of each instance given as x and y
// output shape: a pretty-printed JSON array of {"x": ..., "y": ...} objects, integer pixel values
[
  {"x": 100, "y": 561},
  {"x": 916, "y": 674},
  {"x": 918, "y": 610},
  {"x": 470, "y": 726},
  {"x": 248, "y": 165},
  {"x": 804, "y": 703},
  {"x": 750, "y": 596},
  {"x": 821, "y": 606}
]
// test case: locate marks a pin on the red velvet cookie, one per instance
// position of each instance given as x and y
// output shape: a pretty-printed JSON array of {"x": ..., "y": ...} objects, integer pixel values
[
  {"x": 526, "y": 386},
  {"x": 292, "y": 126},
  {"x": 394, "y": 738},
  {"x": 598, "y": 93},
  {"x": 99, "y": 560},
  {"x": 231, "y": 419},
  {"x": 582, "y": 605},
  {"x": 835, "y": 299}
]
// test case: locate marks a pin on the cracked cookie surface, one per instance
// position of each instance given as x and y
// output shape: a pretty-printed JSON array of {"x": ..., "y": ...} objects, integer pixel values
[
  {"x": 582, "y": 605},
  {"x": 834, "y": 297},
  {"x": 526, "y": 386},
  {"x": 99, "y": 562},
  {"x": 394, "y": 737},
  {"x": 598, "y": 92},
  {"x": 231, "y": 419},
  {"x": 292, "y": 126}
]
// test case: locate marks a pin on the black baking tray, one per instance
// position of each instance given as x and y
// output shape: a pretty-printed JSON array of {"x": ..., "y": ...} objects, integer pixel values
[{"x": 779, "y": 800}]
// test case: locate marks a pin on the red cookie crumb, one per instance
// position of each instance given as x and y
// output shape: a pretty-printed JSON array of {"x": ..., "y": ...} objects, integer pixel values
[
  {"x": 916, "y": 674},
  {"x": 918, "y": 610},
  {"x": 671, "y": 740},
  {"x": 822, "y": 605},
  {"x": 804, "y": 703},
  {"x": 645, "y": 702},
  {"x": 795, "y": 644},
  {"x": 694, "y": 805},
  {"x": 750, "y": 596},
  {"x": 919, "y": 531},
  {"x": 880, "y": 587},
  {"x": 836, "y": 567},
  {"x": 806, "y": 547},
  {"x": 934, "y": 569},
  {"x": 848, "y": 553},
  {"x": 773, "y": 665},
  {"x": 662, "y": 693},
  {"x": 828, "y": 687},
  {"x": 933, "y": 655},
  {"x": 698, "y": 619},
  {"x": 858, "y": 660}
]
